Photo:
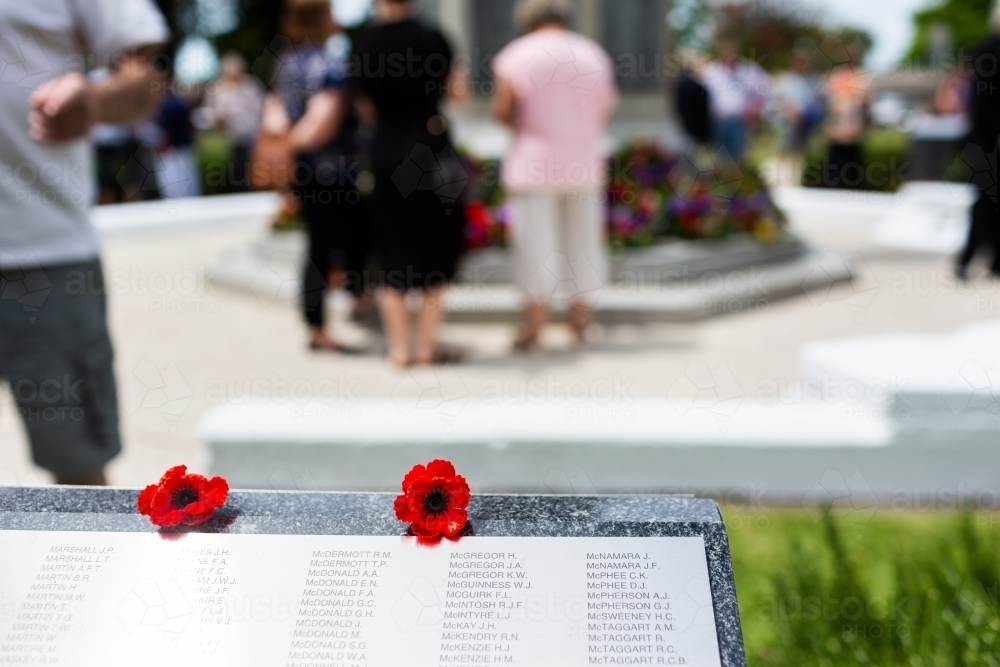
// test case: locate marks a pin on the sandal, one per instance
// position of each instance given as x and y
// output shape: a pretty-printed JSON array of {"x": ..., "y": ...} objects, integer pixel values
[
  {"x": 443, "y": 356},
  {"x": 527, "y": 345},
  {"x": 327, "y": 345}
]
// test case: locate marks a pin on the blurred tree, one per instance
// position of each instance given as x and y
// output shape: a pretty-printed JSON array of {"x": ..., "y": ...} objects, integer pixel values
[
  {"x": 258, "y": 24},
  {"x": 768, "y": 32},
  {"x": 172, "y": 11},
  {"x": 947, "y": 28},
  {"x": 692, "y": 23}
]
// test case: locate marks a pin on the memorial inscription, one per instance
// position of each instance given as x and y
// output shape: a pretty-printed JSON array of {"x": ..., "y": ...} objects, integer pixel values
[{"x": 577, "y": 581}]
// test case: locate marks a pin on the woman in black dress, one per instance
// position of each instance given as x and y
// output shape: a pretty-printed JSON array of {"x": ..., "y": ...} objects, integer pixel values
[{"x": 403, "y": 70}]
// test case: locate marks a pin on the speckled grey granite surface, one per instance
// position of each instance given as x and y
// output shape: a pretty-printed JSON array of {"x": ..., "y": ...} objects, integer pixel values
[{"x": 296, "y": 513}]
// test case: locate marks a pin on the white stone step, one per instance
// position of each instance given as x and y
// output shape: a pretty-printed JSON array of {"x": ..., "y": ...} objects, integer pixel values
[
  {"x": 250, "y": 209},
  {"x": 944, "y": 382},
  {"x": 269, "y": 269},
  {"x": 924, "y": 217},
  {"x": 664, "y": 262},
  {"x": 930, "y": 218},
  {"x": 749, "y": 289},
  {"x": 734, "y": 449}
]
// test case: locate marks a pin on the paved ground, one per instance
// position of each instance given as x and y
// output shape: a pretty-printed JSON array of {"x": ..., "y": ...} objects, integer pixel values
[{"x": 184, "y": 346}]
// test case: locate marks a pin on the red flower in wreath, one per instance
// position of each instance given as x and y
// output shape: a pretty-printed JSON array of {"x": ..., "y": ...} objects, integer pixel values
[
  {"x": 434, "y": 501},
  {"x": 180, "y": 498}
]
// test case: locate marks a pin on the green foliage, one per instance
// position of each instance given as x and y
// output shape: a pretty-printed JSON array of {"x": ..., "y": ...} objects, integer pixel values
[
  {"x": 176, "y": 12},
  {"x": 259, "y": 22},
  {"x": 215, "y": 155},
  {"x": 691, "y": 23},
  {"x": 771, "y": 32},
  {"x": 767, "y": 31},
  {"x": 886, "y": 156},
  {"x": 890, "y": 149},
  {"x": 886, "y": 590},
  {"x": 966, "y": 20}
]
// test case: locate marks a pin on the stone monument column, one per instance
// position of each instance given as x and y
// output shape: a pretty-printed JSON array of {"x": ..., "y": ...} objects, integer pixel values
[
  {"x": 588, "y": 18},
  {"x": 454, "y": 18}
]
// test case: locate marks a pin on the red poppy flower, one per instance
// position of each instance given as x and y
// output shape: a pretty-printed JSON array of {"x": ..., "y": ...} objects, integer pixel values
[
  {"x": 434, "y": 501},
  {"x": 180, "y": 498}
]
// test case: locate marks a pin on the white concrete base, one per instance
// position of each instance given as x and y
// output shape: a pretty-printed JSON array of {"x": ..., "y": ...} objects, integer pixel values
[
  {"x": 250, "y": 209},
  {"x": 841, "y": 220},
  {"x": 748, "y": 289},
  {"x": 269, "y": 269},
  {"x": 930, "y": 217},
  {"x": 890, "y": 418},
  {"x": 733, "y": 449},
  {"x": 925, "y": 217},
  {"x": 664, "y": 262},
  {"x": 948, "y": 381}
]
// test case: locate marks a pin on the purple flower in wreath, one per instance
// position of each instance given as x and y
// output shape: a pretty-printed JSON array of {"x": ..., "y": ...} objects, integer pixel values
[
  {"x": 739, "y": 206},
  {"x": 503, "y": 215},
  {"x": 623, "y": 218},
  {"x": 759, "y": 201}
]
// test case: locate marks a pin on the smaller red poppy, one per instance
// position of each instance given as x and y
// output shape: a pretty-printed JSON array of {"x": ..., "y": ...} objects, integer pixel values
[
  {"x": 434, "y": 501},
  {"x": 180, "y": 498}
]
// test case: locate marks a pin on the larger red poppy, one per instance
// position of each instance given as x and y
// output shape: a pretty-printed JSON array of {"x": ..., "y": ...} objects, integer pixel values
[
  {"x": 180, "y": 498},
  {"x": 434, "y": 500}
]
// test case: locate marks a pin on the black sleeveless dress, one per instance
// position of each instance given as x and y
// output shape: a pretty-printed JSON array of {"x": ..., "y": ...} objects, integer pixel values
[{"x": 418, "y": 204}]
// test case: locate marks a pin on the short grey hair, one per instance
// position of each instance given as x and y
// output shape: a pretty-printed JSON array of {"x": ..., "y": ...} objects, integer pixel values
[
  {"x": 530, "y": 14},
  {"x": 995, "y": 16}
]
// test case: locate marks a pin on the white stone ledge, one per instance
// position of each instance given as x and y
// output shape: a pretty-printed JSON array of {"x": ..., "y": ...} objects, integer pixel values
[
  {"x": 249, "y": 209},
  {"x": 423, "y": 420}
]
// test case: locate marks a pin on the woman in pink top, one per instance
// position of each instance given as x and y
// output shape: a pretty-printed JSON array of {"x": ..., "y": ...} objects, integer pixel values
[{"x": 556, "y": 90}]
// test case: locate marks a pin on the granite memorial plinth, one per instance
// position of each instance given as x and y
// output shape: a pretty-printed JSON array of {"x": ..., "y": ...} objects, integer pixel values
[{"x": 297, "y": 579}]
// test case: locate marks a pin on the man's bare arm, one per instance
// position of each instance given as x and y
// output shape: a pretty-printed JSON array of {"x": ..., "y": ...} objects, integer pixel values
[{"x": 67, "y": 107}]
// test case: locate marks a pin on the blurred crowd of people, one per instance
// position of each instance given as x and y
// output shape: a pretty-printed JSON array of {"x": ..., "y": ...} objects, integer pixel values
[
  {"x": 364, "y": 159},
  {"x": 363, "y": 156},
  {"x": 156, "y": 157},
  {"x": 359, "y": 142},
  {"x": 725, "y": 101}
]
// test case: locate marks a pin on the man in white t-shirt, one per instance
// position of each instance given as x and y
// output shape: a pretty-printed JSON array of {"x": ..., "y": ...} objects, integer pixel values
[
  {"x": 729, "y": 82},
  {"x": 54, "y": 346}
]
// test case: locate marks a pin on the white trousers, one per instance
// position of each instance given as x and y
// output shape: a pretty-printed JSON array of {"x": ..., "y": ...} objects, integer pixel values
[{"x": 558, "y": 241}]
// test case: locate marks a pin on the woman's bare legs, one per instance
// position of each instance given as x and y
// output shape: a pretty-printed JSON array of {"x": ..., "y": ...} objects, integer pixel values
[
  {"x": 579, "y": 320},
  {"x": 321, "y": 341},
  {"x": 93, "y": 479},
  {"x": 535, "y": 316},
  {"x": 428, "y": 321},
  {"x": 396, "y": 321}
]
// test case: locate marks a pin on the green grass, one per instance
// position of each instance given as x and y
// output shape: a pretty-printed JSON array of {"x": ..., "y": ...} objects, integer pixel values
[
  {"x": 214, "y": 154},
  {"x": 886, "y": 155},
  {"x": 887, "y": 589}
]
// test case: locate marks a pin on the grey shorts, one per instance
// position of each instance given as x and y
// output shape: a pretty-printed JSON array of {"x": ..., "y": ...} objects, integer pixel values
[{"x": 56, "y": 355}]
